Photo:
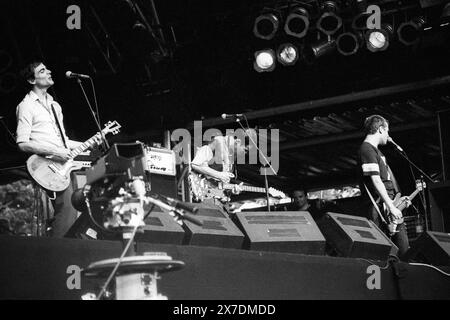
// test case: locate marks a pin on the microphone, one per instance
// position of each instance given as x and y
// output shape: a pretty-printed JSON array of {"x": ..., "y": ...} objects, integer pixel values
[
  {"x": 189, "y": 207},
  {"x": 234, "y": 115},
  {"x": 70, "y": 74},
  {"x": 191, "y": 218},
  {"x": 389, "y": 139}
]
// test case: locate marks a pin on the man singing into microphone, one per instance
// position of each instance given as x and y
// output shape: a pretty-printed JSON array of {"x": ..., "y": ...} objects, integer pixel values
[
  {"x": 378, "y": 184},
  {"x": 40, "y": 130}
]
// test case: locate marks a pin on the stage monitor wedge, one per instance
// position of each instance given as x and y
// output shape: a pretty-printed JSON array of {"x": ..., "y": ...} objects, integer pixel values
[
  {"x": 287, "y": 231},
  {"x": 160, "y": 227},
  {"x": 217, "y": 230},
  {"x": 432, "y": 248},
  {"x": 354, "y": 236}
]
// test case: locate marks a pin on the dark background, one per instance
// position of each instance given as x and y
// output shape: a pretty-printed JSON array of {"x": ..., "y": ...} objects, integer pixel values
[{"x": 208, "y": 69}]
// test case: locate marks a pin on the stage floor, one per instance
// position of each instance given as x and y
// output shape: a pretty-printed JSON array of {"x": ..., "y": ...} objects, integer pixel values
[{"x": 46, "y": 268}]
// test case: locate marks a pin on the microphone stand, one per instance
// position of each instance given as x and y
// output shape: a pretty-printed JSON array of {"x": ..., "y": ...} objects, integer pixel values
[
  {"x": 7, "y": 129},
  {"x": 266, "y": 182},
  {"x": 423, "y": 174},
  {"x": 106, "y": 145}
]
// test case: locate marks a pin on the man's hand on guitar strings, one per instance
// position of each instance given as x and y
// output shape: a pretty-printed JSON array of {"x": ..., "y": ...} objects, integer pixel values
[
  {"x": 61, "y": 154},
  {"x": 225, "y": 176},
  {"x": 396, "y": 213},
  {"x": 237, "y": 188},
  {"x": 407, "y": 201}
]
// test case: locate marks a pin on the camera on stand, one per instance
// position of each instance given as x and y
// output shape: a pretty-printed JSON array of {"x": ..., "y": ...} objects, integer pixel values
[{"x": 117, "y": 200}]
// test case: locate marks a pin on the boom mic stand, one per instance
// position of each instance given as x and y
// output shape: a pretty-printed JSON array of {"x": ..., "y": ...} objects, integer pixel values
[
  {"x": 99, "y": 127},
  {"x": 7, "y": 129},
  {"x": 423, "y": 174},
  {"x": 263, "y": 169}
]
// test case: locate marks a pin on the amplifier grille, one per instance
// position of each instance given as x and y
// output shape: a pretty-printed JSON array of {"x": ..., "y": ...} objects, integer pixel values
[
  {"x": 442, "y": 238},
  {"x": 273, "y": 233},
  {"x": 213, "y": 225},
  {"x": 365, "y": 234},
  {"x": 154, "y": 221},
  {"x": 353, "y": 222},
  {"x": 277, "y": 219}
]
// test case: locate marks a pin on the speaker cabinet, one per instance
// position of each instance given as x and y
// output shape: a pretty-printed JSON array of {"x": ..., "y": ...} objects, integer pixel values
[
  {"x": 163, "y": 184},
  {"x": 440, "y": 206},
  {"x": 217, "y": 229},
  {"x": 353, "y": 236},
  {"x": 444, "y": 141},
  {"x": 287, "y": 231},
  {"x": 432, "y": 248},
  {"x": 160, "y": 227}
]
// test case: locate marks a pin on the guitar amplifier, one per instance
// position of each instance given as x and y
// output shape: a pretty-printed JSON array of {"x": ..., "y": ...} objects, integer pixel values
[
  {"x": 217, "y": 230},
  {"x": 288, "y": 231},
  {"x": 160, "y": 161},
  {"x": 354, "y": 236},
  {"x": 161, "y": 171}
]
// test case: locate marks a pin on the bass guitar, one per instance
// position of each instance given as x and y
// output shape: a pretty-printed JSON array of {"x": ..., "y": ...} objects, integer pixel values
[
  {"x": 401, "y": 203},
  {"x": 54, "y": 175}
]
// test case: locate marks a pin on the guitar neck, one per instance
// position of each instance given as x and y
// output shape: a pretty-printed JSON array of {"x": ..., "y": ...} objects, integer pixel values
[
  {"x": 402, "y": 203},
  {"x": 246, "y": 188},
  {"x": 83, "y": 147},
  {"x": 414, "y": 194}
]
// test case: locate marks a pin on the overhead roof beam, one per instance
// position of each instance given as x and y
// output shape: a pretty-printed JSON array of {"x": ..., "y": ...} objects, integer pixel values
[
  {"x": 320, "y": 103},
  {"x": 332, "y": 138}
]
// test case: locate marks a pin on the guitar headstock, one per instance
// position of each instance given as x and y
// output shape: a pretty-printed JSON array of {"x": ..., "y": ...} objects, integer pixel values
[
  {"x": 276, "y": 193},
  {"x": 112, "y": 127},
  {"x": 420, "y": 184}
]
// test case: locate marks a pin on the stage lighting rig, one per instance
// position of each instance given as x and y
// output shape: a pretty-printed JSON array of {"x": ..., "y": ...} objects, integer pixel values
[
  {"x": 348, "y": 43},
  {"x": 287, "y": 54},
  {"x": 264, "y": 60},
  {"x": 409, "y": 32},
  {"x": 359, "y": 22},
  {"x": 317, "y": 50},
  {"x": 329, "y": 22},
  {"x": 378, "y": 39},
  {"x": 266, "y": 25},
  {"x": 297, "y": 22}
]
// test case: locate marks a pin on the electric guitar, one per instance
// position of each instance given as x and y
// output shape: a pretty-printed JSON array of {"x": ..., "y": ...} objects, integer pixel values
[
  {"x": 54, "y": 175},
  {"x": 207, "y": 188},
  {"x": 401, "y": 203}
]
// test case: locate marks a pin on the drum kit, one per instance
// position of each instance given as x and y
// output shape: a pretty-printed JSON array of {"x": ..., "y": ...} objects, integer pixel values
[{"x": 119, "y": 195}]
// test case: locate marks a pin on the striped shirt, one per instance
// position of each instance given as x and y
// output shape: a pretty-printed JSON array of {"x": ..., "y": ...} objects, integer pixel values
[{"x": 373, "y": 163}]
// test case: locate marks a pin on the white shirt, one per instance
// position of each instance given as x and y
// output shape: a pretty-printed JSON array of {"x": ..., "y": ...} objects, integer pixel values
[
  {"x": 205, "y": 156},
  {"x": 36, "y": 122}
]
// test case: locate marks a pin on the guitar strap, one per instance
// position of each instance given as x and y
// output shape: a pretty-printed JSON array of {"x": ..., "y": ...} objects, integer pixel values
[
  {"x": 375, "y": 204},
  {"x": 59, "y": 126}
]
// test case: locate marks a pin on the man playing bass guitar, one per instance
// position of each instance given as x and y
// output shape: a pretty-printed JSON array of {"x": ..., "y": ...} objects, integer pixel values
[{"x": 378, "y": 184}]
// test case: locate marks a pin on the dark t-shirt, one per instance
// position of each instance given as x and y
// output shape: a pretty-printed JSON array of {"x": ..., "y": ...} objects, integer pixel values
[{"x": 372, "y": 162}]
